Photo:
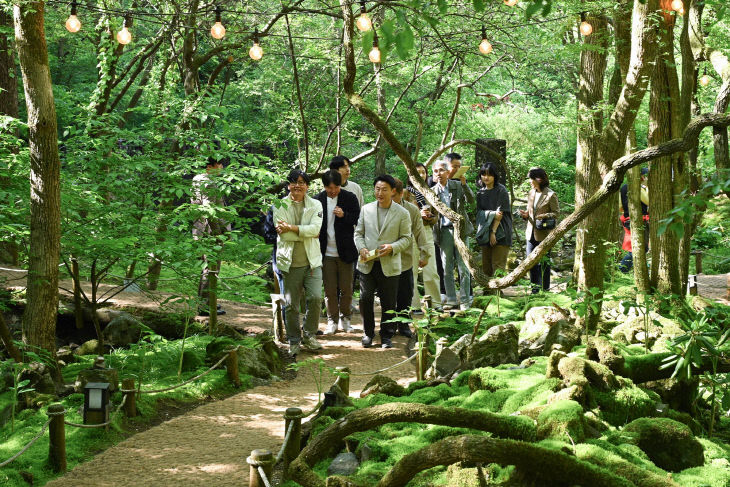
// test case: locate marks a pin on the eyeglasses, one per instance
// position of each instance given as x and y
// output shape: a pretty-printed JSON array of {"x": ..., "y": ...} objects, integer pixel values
[{"x": 297, "y": 183}]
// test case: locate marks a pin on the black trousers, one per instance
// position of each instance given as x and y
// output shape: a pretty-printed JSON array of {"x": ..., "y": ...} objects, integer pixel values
[
  {"x": 540, "y": 272},
  {"x": 387, "y": 289},
  {"x": 405, "y": 296}
]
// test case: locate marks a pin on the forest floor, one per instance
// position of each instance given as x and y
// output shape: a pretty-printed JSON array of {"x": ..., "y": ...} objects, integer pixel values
[{"x": 209, "y": 445}]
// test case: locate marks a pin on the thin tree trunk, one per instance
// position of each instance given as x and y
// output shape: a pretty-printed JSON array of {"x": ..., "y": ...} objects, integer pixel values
[
  {"x": 39, "y": 319},
  {"x": 590, "y": 252},
  {"x": 9, "y": 107}
]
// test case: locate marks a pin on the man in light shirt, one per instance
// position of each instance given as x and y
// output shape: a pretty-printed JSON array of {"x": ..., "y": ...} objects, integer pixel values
[{"x": 337, "y": 243}]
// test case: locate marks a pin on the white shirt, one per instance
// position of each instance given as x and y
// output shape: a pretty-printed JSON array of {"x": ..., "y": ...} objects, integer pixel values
[
  {"x": 355, "y": 189},
  {"x": 331, "y": 250}
]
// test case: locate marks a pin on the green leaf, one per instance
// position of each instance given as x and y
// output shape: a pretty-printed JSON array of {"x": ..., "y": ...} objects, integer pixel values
[
  {"x": 532, "y": 9},
  {"x": 443, "y": 6},
  {"x": 478, "y": 5},
  {"x": 404, "y": 42}
]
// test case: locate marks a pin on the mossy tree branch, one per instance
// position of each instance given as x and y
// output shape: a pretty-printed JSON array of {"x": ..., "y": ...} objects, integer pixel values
[
  {"x": 517, "y": 427},
  {"x": 552, "y": 467}
]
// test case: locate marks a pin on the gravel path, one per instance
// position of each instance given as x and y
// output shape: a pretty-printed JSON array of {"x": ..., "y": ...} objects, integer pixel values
[{"x": 208, "y": 446}]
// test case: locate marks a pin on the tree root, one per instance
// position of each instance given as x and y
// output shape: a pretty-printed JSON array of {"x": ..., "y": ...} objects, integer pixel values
[
  {"x": 551, "y": 467},
  {"x": 516, "y": 427}
]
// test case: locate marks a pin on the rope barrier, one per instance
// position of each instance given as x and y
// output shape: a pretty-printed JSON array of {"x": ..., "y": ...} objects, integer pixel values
[
  {"x": 263, "y": 476},
  {"x": 155, "y": 391},
  {"x": 28, "y": 445},
  {"x": 280, "y": 455},
  {"x": 386, "y": 368},
  {"x": 100, "y": 425}
]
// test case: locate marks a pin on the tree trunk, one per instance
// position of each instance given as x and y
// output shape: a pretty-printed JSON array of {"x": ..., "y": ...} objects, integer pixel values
[
  {"x": 666, "y": 174},
  {"x": 39, "y": 320},
  {"x": 382, "y": 109},
  {"x": 9, "y": 107},
  {"x": 590, "y": 251}
]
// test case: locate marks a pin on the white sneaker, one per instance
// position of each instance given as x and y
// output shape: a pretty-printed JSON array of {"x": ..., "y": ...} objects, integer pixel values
[
  {"x": 464, "y": 307},
  {"x": 346, "y": 326},
  {"x": 310, "y": 343},
  {"x": 294, "y": 349},
  {"x": 331, "y": 328}
]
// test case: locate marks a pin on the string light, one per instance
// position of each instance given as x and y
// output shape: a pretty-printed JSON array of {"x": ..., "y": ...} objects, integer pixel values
[
  {"x": 218, "y": 31},
  {"x": 374, "y": 54},
  {"x": 510, "y": 3},
  {"x": 678, "y": 6},
  {"x": 73, "y": 24},
  {"x": 124, "y": 37},
  {"x": 256, "y": 53},
  {"x": 485, "y": 47},
  {"x": 363, "y": 21},
  {"x": 705, "y": 79},
  {"x": 585, "y": 27}
]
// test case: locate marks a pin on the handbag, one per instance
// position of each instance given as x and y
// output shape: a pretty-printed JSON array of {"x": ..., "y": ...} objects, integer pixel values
[{"x": 545, "y": 223}]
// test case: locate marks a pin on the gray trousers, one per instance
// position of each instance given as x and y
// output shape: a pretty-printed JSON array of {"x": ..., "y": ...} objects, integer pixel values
[
  {"x": 450, "y": 258},
  {"x": 337, "y": 276},
  {"x": 298, "y": 281}
]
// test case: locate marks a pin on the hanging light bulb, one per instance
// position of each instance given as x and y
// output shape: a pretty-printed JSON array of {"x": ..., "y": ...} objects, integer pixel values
[
  {"x": 510, "y": 3},
  {"x": 374, "y": 54},
  {"x": 73, "y": 24},
  {"x": 256, "y": 52},
  {"x": 485, "y": 47},
  {"x": 124, "y": 37},
  {"x": 218, "y": 31},
  {"x": 585, "y": 27},
  {"x": 363, "y": 21},
  {"x": 705, "y": 79},
  {"x": 678, "y": 5},
  {"x": 681, "y": 11}
]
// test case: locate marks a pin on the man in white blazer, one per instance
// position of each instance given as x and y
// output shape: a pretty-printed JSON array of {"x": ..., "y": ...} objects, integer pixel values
[
  {"x": 383, "y": 232},
  {"x": 298, "y": 256}
]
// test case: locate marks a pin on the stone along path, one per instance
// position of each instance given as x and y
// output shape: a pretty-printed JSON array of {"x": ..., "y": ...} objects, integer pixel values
[{"x": 208, "y": 446}]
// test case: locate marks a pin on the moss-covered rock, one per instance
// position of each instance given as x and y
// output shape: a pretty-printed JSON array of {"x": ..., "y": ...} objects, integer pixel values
[
  {"x": 381, "y": 384},
  {"x": 668, "y": 443},
  {"x": 560, "y": 420},
  {"x": 547, "y": 328},
  {"x": 578, "y": 370},
  {"x": 497, "y": 346},
  {"x": 625, "y": 404}
]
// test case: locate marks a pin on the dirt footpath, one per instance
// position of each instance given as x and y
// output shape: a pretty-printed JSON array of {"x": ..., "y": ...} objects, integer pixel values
[{"x": 208, "y": 446}]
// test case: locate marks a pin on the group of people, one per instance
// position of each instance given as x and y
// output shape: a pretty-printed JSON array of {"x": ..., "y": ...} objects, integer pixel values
[{"x": 331, "y": 239}]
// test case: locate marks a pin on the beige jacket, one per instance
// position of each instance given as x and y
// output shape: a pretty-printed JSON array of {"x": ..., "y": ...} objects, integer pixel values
[
  {"x": 547, "y": 207},
  {"x": 308, "y": 232},
  {"x": 396, "y": 231},
  {"x": 419, "y": 237}
]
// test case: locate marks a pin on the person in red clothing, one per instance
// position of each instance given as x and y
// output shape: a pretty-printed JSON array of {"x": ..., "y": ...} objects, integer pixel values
[{"x": 627, "y": 263}]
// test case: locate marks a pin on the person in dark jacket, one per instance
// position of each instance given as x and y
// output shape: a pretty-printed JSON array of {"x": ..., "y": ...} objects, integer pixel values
[
  {"x": 336, "y": 240},
  {"x": 496, "y": 219}
]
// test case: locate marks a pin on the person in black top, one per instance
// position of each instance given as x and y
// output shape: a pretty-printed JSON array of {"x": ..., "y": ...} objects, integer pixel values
[
  {"x": 340, "y": 211},
  {"x": 494, "y": 219},
  {"x": 627, "y": 262}
]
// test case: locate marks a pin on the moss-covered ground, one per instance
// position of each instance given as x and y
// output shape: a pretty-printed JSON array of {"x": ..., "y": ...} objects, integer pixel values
[
  {"x": 155, "y": 362},
  {"x": 591, "y": 433}
]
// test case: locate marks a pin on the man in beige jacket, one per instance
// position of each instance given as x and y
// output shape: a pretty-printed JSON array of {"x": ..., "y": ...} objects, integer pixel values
[
  {"x": 298, "y": 222},
  {"x": 383, "y": 232}
]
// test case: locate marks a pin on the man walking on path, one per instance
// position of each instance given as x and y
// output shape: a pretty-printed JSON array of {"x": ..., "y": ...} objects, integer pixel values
[
  {"x": 337, "y": 243},
  {"x": 451, "y": 193},
  {"x": 383, "y": 233},
  {"x": 342, "y": 165},
  {"x": 298, "y": 223},
  {"x": 405, "y": 281}
]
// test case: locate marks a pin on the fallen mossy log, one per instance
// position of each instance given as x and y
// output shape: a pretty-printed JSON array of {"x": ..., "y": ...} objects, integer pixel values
[
  {"x": 504, "y": 426},
  {"x": 552, "y": 467}
]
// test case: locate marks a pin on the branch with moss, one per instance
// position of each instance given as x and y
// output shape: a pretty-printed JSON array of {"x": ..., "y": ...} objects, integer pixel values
[
  {"x": 552, "y": 467},
  {"x": 516, "y": 427}
]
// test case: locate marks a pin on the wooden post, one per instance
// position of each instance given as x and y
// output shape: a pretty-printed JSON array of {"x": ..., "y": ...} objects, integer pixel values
[
  {"x": 692, "y": 284},
  {"x": 130, "y": 398},
  {"x": 76, "y": 280},
  {"x": 698, "y": 261},
  {"x": 260, "y": 458},
  {"x": 213, "y": 298},
  {"x": 232, "y": 367},
  {"x": 57, "y": 438},
  {"x": 422, "y": 358},
  {"x": 276, "y": 307},
  {"x": 343, "y": 380},
  {"x": 292, "y": 416}
]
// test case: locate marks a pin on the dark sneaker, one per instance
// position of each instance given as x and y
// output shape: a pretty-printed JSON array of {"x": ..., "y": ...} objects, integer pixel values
[
  {"x": 386, "y": 343},
  {"x": 220, "y": 311},
  {"x": 406, "y": 332},
  {"x": 310, "y": 343},
  {"x": 367, "y": 341}
]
